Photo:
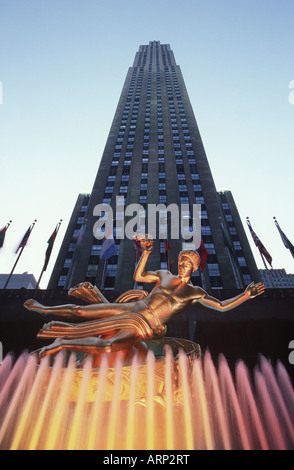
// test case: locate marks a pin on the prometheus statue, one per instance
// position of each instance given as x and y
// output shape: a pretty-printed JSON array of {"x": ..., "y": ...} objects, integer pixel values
[{"x": 137, "y": 315}]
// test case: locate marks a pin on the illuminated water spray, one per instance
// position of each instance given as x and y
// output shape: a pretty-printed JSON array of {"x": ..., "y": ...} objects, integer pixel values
[{"x": 166, "y": 403}]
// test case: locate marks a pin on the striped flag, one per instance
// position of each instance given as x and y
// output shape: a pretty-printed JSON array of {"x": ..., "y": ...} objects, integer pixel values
[
  {"x": 81, "y": 233},
  {"x": 3, "y": 233},
  {"x": 285, "y": 240},
  {"x": 50, "y": 246},
  {"x": 108, "y": 247},
  {"x": 264, "y": 253},
  {"x": 25, "y": 237}
]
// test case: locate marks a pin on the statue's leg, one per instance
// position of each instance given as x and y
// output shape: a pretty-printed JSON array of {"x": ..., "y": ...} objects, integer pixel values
[
  {"x": 94, "y": 311},
  {"x": 85, "y": 345},
  {"x": 123, "y": 339},
  {"x": 67, "y": 311}
]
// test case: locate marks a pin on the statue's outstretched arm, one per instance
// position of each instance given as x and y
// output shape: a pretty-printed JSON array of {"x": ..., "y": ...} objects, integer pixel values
[
  {"x": 223, "y": 305},
  {"x": 140, "y": 274}
]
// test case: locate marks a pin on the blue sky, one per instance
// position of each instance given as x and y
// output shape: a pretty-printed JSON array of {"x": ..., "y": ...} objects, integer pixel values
[{"x": 62, "y": 68}]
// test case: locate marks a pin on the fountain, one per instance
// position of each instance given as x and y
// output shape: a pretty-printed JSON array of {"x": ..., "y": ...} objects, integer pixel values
[
  {"x": 116, "y": 382},
  {"x": 167, "y": 403}
]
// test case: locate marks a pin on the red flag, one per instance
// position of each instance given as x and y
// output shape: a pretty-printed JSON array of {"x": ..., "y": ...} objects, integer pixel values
[
  {"x": 25, "y": 238},
  {"x": 264, "y": 253},
  {"x": 3, "y": 232},
  {"x": 2, "y": 236},
  {"x": 168, "y": 255},
  {"x": 203, "y": 253},
  {"x": 50, "y": 246}
]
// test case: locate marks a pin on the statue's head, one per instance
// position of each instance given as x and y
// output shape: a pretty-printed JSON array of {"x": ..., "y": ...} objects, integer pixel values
[{"x": 192, "y": 257}]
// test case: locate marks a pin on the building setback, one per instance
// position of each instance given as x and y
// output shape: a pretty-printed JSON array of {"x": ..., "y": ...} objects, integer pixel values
[
  {"x": 154, "y": 155},
  {"x": 277, "y": 279}
]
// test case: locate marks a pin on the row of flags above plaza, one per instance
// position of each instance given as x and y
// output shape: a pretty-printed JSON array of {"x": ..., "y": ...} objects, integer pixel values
[
  {"x": 23, "y": 244},
  {"x": 108, "y": 245},
  {"x": 262, "y": 250}
]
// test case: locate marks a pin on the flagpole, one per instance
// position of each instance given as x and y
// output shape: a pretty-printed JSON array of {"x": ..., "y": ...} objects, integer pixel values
[
  {"x": 17, "y": 259},
  {"x": 235, "y": 266},
  {"x": 261, "y": 255},
  {"x": 136, "y": 264},
  {"x": 167, "y": 247},
  {"x": 284, "y": 238},
  {"x": 258, "y": 244},
  {"x": 73, "y": 264},
  {"x": 263, "y": 261},
  {"x": 39, "y": 280},
  {"x": 104, "y": 274},
  {"x": 202, "y": 279}
]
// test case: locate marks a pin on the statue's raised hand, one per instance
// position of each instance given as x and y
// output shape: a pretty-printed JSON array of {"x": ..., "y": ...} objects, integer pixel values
[
  {"x": 255, "y": 289},
  {"x": 145, "y": 241}
]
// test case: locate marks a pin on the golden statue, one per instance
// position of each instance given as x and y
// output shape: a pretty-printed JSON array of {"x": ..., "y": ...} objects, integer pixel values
[{"x": 136, "y": 315}]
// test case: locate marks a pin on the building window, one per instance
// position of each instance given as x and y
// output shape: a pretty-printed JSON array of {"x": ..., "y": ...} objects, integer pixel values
[
  {"x": 123, "y": 189},
  {"x": 247, "y": 279},
  {"x": 67, "y": 263},
  {"x": 205, "y": 230},
  {"x": 62, "y": 281},
  {"x": 237, "y": 245},
  {"x": 111, "y": 270},
  {"x": 184, "y": 200},
  {"x": 210, "y": 248},
  {"x": 200, "y": 200},
  {"x": 213, "y": 269},
  {"x": 242, "y": 261}
]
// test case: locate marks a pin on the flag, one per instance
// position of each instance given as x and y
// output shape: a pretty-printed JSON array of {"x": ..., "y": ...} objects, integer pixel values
[
  {"x": 80, "y": 235},
  {"x": 2, "y": 235},
  {"x": 50, "y": 246},
  {"x": 285, "y": 240},
  {"x": 168, "y": 255},
  {"x": 108, "y": 247},
  {"x": 25, "y": 238},
  {"x": 264, "y": 253},
  {"x": 227, "y": 242},
  {"x": 203, "y": 253}
]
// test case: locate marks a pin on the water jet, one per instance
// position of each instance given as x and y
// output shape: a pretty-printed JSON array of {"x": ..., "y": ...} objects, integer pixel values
[{"x": 168, "y": 403}]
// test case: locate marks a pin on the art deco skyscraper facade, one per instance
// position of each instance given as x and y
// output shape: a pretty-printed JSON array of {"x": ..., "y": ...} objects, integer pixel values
[{"x": 154, "y": 155}]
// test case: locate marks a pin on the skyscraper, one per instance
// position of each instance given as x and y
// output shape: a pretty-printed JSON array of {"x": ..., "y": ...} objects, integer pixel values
[{"x": 154, "y": 155}]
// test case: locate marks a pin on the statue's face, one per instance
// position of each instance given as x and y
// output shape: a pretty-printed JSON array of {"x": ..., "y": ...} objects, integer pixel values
[{"x": 185, "y": 267}]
